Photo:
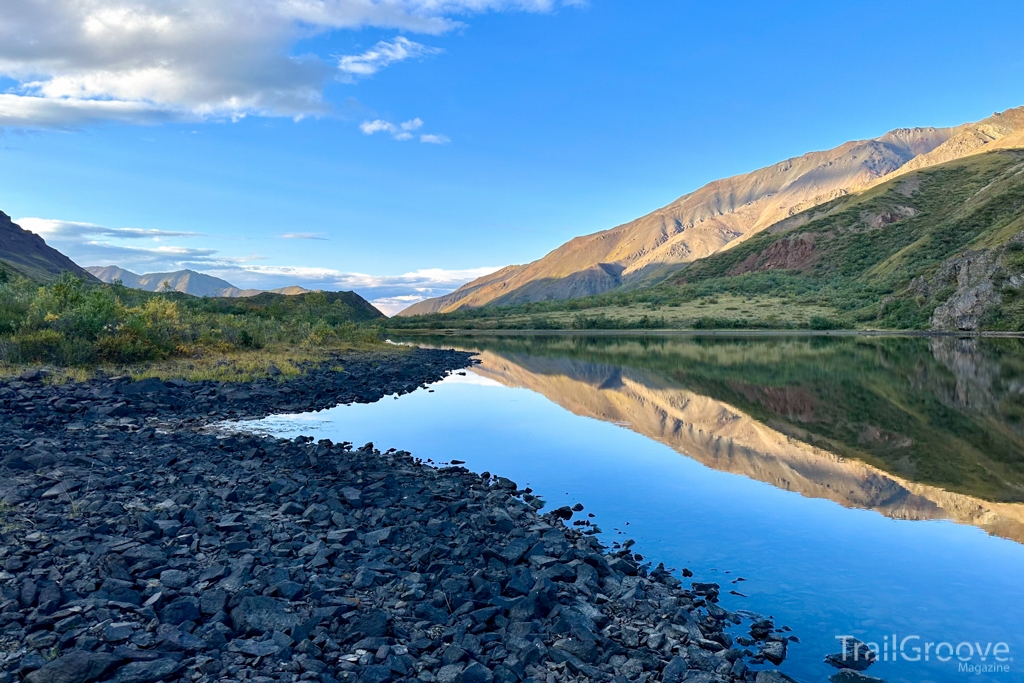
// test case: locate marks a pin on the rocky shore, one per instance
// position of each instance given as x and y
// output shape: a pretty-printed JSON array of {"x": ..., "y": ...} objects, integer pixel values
[{"x": 137, "y": 545}]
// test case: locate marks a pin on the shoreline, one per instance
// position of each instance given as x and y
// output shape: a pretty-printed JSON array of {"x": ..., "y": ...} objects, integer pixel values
[
  {"x": 420, "y": 332},
  {"x": 136, "y": 547}
]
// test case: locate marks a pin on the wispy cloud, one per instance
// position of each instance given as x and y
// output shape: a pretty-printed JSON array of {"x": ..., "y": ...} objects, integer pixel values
[
  {"x": 403, "y": 131},
  {"x": 382, "y": 55},
  {"x": 50, "y": 229},
  {"x": 75, "y": 62},
  {"x": 90, "y": 244},
  {"x": 303, "y": 236},
  {"x": 435, "y": 139}
]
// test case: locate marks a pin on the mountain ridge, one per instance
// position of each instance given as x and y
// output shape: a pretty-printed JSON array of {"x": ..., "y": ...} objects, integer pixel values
[
  {"x": 724, "y": 213},
  {"x": 186, "y": 281}
]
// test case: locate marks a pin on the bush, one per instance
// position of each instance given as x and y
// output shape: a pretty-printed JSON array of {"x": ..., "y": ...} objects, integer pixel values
[{"x": 39, "y": 346}]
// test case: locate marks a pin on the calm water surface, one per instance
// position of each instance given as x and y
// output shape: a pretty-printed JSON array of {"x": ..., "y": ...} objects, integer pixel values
[{"x": 870, "y": 487}]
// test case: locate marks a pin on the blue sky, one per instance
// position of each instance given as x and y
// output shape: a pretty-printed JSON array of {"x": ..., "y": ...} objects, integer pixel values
[{"x": 240, "y": 140}]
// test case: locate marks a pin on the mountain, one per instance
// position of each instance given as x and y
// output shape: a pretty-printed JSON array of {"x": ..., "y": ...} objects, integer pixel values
[
  {"x": 725, "y": 213},
  {"x": 938, "y": 248},
  {"x": 26, "y": 253},
  {"x": 185, "y": 281}
]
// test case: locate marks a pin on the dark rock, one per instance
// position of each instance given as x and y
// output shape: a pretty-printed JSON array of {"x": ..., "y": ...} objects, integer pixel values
[
  {"x": 854, "y": 655},
  {"x": 675, "y": 671},
  {"x": 774, "y": 651},
  {"x": 259, "y": 614},
  {"x": 147, "y": 671},
  {"x": 181, "y": 610},
  {"x": 851, "y": 676},
  {"x": 374, "y": 623},
  {"x": 476, "y": 673},
  {"x": 450, "y": 673},
  {"x": 76, "y": 666},
  {"x": 773, "y": 676},
  {"x": 375, "y": 674},
  {"x": 564, "y": 512}
]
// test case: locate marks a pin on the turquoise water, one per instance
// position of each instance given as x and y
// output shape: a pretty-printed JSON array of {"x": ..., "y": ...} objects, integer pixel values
[{"x": 827, "y": 545}]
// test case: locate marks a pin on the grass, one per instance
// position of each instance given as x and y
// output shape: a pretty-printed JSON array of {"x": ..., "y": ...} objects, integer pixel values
[
  {"x": 724, "y": 311},
  {"x": 221, "y": 366},
  {"x": 245, "y": 366}
]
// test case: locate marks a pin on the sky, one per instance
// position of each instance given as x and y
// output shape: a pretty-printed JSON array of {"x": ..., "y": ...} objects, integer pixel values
[{"x": 400, "y": 148}]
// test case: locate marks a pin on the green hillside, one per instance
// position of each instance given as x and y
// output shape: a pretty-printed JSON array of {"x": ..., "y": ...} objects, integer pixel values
[{"x": 942, "y": 248}]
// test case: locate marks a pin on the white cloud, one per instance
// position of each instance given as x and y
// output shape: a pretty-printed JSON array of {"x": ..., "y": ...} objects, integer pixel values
[
  {"x": 402, "y": 131},
  {"x": 56, "y": 230},
  {"x": 390, "y": 305},
  {"x": 382, "y": 55},
  {"x": 143, "y": 61}
]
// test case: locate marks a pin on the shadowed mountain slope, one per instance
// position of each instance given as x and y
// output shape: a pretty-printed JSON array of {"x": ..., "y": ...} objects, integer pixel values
[
  {"x": 725, "y": 213},
  {"x": 26, "y": 253}
]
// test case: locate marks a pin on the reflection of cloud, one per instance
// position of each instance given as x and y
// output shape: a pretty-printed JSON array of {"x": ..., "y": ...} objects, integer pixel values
[
  {"x": 146, "y": 251},
  {"x": 144, "y": 61}
]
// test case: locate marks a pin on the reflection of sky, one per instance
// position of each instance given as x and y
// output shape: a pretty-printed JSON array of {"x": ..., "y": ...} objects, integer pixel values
[{"x": 820, "y": 568}]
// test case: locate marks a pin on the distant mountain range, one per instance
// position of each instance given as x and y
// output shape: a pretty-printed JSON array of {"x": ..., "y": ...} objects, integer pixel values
[
  {"x": 725, "y": 213},
  {"x": 25, "y": 253},
  {"x": 185, "y": 281}
]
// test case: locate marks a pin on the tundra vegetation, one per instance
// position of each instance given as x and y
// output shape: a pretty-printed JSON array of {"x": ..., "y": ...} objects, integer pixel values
[{"x": 69, "y": 323}]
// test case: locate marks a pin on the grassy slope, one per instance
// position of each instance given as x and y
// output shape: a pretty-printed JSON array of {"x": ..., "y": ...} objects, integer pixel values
[{"x": 879, "y": 260}]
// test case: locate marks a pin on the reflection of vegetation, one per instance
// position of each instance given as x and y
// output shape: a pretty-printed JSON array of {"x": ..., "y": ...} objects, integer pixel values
[
  {"x": 71, "y": 323},
  {"x": 944, "y": 412}
]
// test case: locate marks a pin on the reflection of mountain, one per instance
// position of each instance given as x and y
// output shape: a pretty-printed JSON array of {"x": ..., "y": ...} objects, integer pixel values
[{"x": 725, "y": 438}]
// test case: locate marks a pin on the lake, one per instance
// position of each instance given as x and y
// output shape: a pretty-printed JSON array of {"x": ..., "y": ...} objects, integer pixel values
[{"x": 853, "y": 486}]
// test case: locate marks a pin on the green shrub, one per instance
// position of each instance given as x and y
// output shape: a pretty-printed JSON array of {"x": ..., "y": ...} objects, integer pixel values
[{"x": 38, "y": 346}]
